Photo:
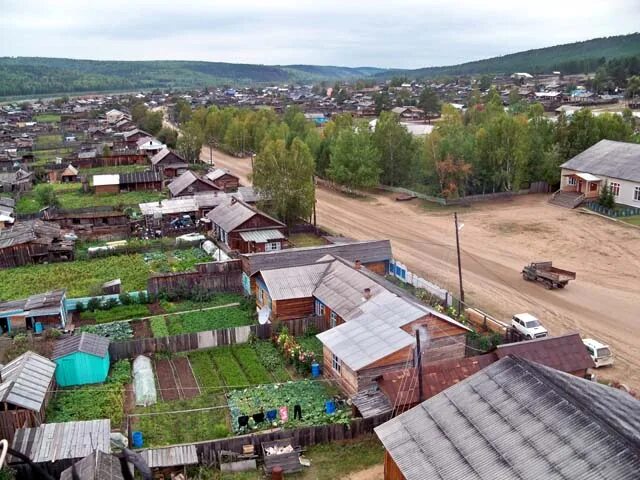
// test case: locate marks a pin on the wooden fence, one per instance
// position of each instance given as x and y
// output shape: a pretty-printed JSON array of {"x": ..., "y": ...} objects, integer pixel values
[
  {"x": 211, "y": 277},
  {"x": 211, "y": 338}
]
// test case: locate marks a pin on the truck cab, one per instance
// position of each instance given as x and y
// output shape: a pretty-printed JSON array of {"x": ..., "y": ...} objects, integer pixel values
[
  {"x": 599, "y": 352},
  {"x": 529, "y": 326}
]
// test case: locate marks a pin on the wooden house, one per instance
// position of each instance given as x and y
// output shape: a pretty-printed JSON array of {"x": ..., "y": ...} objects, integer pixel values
[
  {"x": 130, "y": 138},
  {"x": 106, "y": 184},
  {"x": 47, "y": 309},
  {"x": 246, "y": 229},
  {"x": 67, "y": 175},
  {"x": 516, "y": 419},
  {"x": 149, "y": 146},
  {"x": 33, "y": 241},
  {"x": 81, "y": 359},
  {"x": 190, "y": 184},
  {"x": 169, "y": 163},
  {"x": 54, "y": 447},
  {"x": 16, "y": 182},
  {"x": 140, "y": 181},
  {"x": 90, "y": 223},
  {"x": 26, "y": 386},
  {"x": 223, "y": 179}
]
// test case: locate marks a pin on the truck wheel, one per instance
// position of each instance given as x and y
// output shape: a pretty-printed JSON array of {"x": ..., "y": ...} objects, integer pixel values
[
  {"x": 561, "y": 285},
  {"x": 548, "y": 285},
  {"x": 525, "y": 276}
]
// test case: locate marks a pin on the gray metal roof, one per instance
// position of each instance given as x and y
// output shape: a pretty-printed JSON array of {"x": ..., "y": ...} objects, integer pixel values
[
  {"x": 169, "y": 206},
  {"x": 366, "y": 251},
  {"x": 358, "y": 344},
  {"x": 234, "y": 213},
  {"x": 610, "y": 159},
  {"x": 518, "y": 419},
  {"x": 88, "y": 343},
  {"x": 96, "y": 466},
  {"x": 294, "y": 282},
  {"x": 184, "y": 181},
  {"x": 140, "y": 177},
  {"x": 170, "y": 456},
  {"x": 25, "y": 381},
  {"x": 52, "y": 299},
  {"x": 262, "y": 236},
  {"x": 59, "y": 441},
  {"x": 218, "y": 173}
]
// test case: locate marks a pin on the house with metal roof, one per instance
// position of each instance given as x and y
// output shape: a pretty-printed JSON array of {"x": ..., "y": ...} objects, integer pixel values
[
  {"x": 38, "y": 312},
  {"x": 516, "y": 419},
  {"x": 26, "y": 386},
  {"x": 81, "y": 359},
  {"x": 169, "y": 163},
  {"x": 246, "y": 229},
  {"x": 224, "y": 179},
  {"x": 615, "y": 164},
  {"x": 190, "y": 184},
  {"x": 56, "y": 446}
]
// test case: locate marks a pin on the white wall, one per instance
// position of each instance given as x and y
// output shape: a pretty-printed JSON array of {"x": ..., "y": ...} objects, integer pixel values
[{"x": 626, "y": 188}]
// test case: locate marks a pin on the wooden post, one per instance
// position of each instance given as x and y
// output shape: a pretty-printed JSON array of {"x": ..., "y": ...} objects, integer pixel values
[{"x": 455, "y": 217}]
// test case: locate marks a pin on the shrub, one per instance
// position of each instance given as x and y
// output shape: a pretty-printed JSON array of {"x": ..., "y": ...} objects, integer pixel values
[
  {"x": 80, "y": 307},
  {"x": 126, "y": 299},
  {"x": 93, "y": 304},
  {"x": 52, "y": 333},
  {"x": 20, "y": 339}
]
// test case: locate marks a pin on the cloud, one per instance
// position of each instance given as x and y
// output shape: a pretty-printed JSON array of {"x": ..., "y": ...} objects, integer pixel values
[{"x": 402, "y": 33}]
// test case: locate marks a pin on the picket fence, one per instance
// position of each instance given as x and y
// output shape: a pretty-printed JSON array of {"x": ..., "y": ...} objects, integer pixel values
[{"x": 400, "y": 271}]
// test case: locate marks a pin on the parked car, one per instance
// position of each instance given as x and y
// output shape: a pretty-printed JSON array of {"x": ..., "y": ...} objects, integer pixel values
[
  {"x": 529, "y": 326},
  {"x": 599, "y": 352}
]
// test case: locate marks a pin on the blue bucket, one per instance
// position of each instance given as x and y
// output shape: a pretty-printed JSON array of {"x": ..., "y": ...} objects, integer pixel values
[
  {"x": 37, "y": 328},
  {"x": 330, "y": 407},
  {"x": 137, "y": 439},
  {"x": 315, "y": 370}
]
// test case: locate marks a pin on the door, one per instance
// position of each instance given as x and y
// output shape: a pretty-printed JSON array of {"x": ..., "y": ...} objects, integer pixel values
[{"x": 580, "y": 185}]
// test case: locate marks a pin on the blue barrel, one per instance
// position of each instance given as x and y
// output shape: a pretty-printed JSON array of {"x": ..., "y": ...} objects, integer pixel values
[
  {"x": 37, "y": 328},
  {"x": 137, "y": 439},
  {"x": 330, "y": 407},
  {"x": 315, "y": 370}
]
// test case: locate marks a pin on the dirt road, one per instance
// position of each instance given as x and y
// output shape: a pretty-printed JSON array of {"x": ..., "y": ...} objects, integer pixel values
[{"x": 497, "y": 240}]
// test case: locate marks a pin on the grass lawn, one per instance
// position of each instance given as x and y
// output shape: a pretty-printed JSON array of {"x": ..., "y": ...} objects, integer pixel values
[
  {"x": 217, "y": 300},
  {"x": 121, "y": 312},
  {"x": 634, "y": 220},
  {"x": 207, "y": 320},
  {"x": 43, "y": 157},
  {"x": 93, "y": 402},
  {"x": 306, "y": 240},
  {"x": 44, "y": 142},
  {"x": 116, "y": 169},
  {"x": 48, "y": 118},
  {"x": 329, "y": 461},
  {"x": 71, "y": 197}
]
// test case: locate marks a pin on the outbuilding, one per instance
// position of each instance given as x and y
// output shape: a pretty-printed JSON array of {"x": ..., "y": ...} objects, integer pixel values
[{"x": 81, "y": 359}]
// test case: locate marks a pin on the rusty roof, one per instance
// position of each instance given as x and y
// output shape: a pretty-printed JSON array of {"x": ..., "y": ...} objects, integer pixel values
[{"x": 566, "y": 353}]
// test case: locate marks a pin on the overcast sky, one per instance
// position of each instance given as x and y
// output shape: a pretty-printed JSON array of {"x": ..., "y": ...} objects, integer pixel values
[{"x": 393, "y": 33}]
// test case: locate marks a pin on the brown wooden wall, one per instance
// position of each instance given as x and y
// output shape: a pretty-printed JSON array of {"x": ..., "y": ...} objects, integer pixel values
[
  {"x": 105, "y": 189},
  {"x": 391, "y": 470},
  {"x": 228, "y": 183},
  {"x": 283, "y": 310},
  {"x": 212, "y": 276},
  {"x": 377, "y": 267}
]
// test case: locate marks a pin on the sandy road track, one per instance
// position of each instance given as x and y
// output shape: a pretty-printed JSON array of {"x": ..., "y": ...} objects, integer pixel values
[{"x": 498, "y": 239}]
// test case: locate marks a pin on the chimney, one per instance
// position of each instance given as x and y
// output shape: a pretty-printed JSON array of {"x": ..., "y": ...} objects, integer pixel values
[
  {"x": 357, "y": 264},
  {"x": 367, "y": 294}
]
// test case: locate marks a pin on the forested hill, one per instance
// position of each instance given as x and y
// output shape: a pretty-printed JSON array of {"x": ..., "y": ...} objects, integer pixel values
[
  {"x": 579, "y": 57},
  {"x": 39, "y": 75}
]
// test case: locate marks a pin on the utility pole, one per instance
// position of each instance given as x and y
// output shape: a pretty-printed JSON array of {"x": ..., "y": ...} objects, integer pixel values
[
  {"x": 455, "y": 217},
  {"x": 419, "y": 367}
]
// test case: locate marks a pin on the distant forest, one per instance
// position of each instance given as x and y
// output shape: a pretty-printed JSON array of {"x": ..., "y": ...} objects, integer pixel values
[{"x": 41, "y": 76}]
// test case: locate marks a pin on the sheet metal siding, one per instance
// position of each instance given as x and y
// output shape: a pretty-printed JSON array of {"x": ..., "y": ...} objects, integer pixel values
[{"x": 81, "y": 368}]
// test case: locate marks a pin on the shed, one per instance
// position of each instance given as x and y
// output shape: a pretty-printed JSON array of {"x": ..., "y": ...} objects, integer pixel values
[
  {"x": 96, "y": 466},
  {"x": 81, "y": 359},
  {"x": 27, "y": 383},
  {"x": 170, "y": 460}
]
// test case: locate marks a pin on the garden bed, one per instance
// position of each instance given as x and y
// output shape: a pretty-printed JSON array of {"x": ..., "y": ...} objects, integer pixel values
[{"x": 201, "y": 321}]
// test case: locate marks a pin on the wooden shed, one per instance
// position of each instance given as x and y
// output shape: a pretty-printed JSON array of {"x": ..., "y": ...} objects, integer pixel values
[
  {"x": 169, "y": 163},
  {"x": 47, "y": 308},
  {"x": 81, "y": 359},
  {"x": 33, "y": 241},
  {"x": 26, "y": 388},
  {"x": 96, "y": 466}
]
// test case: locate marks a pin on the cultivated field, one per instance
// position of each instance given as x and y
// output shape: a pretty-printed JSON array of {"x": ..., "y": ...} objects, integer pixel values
[{"x": 497, "y": 240}]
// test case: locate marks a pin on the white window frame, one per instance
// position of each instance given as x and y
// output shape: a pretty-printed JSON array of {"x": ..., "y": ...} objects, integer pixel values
[
  {"x": 336, "y": 364},
  {"x": 272, "y": 246},
  {"x": 615, "y": 188},
  {"x": 319, "y": 308},
  {"x": 333, "y": 319},
  {"x": 572, "y": 181},
  {"x": 636, "y": 194}
]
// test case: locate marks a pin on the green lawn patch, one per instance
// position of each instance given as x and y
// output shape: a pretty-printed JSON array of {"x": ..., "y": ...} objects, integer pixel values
[
  {"x": 112, "y": 170},
  {"x": 45, "y": 142},
  {"x": 306, "y": 240},
  {"x": 48, "y": 118},
  {"x": 93, "y": 402},
  {"x": 201, "y": 321},
  {"x": 121, "y": 312},
  {"x": 310, "y": 395},
  {"x": 217, "y": 300},
  {"x": 633, "y": 220}
]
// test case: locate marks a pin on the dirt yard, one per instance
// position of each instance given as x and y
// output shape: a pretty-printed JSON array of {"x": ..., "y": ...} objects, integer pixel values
[
  {"x": 497, "y": 240},
  {"x": 176, "y": 379}
]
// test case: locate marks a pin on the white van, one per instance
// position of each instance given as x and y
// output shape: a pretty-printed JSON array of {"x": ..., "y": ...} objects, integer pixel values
[{"x": 600, "y": 353}]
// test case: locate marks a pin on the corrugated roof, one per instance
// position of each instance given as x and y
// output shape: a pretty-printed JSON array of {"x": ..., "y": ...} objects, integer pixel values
[
  {"x": 52, "y": 299},
  {"x": 218, "y": 173},
  {"x": 518, "y": 419},
  {"x": 85, "y": 342},
  {"x": 367, "y": 251},
  {"x": 25, "y": 381},
  {"x": 232, "y": 214},
  {"x": 294, "y": 282},
  {"x": 96, "y": 466},
  {"x": 184, "y": 181},
  {"x": 170, "y": 456},
  {"x": 358, "y": 344},
  {"x": 140, "y": 177},
  {"x": 611, "y": 159},
  {"x": 262, "y": 236},
  {"x": 566, "y": 353},
  {"x": 51, "y": 442},
  {"x": 169, "y": 206}
]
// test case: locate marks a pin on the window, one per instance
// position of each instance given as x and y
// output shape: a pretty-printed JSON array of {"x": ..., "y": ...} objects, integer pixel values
[
  {"x": 319, "y": 308},
  {"x": 615, "y": 189},
  {"x": 571, "y": 181},
  {"x": 272, "y": 246},
  {"x": 333, "y": 317},
  {"x": 636, "y": 194},
  {"x": 335, "y": 363}
]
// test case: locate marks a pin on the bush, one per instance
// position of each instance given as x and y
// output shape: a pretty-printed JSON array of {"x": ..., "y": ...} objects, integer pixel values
[
  {"x": 80, "y": 307},
  {"x": 109, "y": 304},
  {"x": 52, "y": 333},
  {"x": 93, "y": 304},
  {"x": 20, "y": 339},
  {"x": 126, "y": 299}
]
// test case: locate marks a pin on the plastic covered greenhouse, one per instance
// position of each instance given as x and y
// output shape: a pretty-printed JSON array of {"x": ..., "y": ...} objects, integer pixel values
[{"x": 144, "y": 382}]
